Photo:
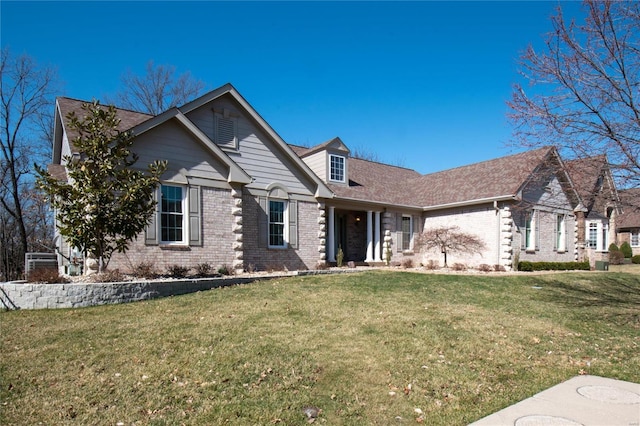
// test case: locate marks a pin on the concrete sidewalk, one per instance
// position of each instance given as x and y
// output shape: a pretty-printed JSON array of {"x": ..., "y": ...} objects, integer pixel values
[{"x": 581, "y": 401}]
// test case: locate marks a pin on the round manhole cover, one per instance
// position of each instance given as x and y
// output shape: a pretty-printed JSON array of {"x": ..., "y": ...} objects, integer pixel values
[
  {"x": 609, "y": 394},
  {"x": 536, "y": 420}
]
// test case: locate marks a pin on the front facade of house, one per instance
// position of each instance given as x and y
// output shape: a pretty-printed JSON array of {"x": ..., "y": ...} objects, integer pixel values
[
  {"x": 628, "y": 224},
  {"x": 235, "y": 194}
]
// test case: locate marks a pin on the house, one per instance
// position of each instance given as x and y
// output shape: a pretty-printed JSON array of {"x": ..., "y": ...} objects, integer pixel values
[
  {"x": 594, "y": 182},
  {"x": 628, "y": 224},
  {"x": 236, "y": 194}
]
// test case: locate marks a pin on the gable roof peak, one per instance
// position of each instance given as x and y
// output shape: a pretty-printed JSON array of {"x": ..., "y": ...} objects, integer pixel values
[{"x": 335, "y": 143}]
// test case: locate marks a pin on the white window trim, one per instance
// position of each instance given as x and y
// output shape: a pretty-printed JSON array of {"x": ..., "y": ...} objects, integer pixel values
[
  {"x": 561, "y": 234},
  {"x": 285, "y": 217},
  {"x": 602, "y": 235},
  {"x": 344, "y": 168},
  {"x": 185, "y": 216},
  {"x": 530, "y": 245}
]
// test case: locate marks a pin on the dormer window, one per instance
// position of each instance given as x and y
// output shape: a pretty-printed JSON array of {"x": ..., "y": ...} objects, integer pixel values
[{"x": 337, "y": 168}]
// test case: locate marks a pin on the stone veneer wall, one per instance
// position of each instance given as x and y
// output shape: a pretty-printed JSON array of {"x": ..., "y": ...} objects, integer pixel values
[
  {"x": 77, "y": 295},
  {"x": 306, "y": 256},
  {"x": 221, "y": 238},
  {"x": 19, "y": 295}
]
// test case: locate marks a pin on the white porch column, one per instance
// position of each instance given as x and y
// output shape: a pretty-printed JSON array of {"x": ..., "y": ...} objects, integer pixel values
[
  {"x": 331, "y": 240},
  {"x": 369, "y": 236},
  {"x": 377, "y": 257}
]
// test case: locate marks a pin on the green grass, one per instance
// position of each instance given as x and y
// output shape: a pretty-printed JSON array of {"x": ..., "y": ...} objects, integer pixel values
[{"x": 366, "y": 348}]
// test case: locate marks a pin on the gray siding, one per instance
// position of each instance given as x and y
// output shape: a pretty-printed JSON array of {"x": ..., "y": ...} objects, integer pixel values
[
  {"x": 318, "y": 163},
  {"x": 257, "y": 154},
  {"x": 173, "y": 143}
]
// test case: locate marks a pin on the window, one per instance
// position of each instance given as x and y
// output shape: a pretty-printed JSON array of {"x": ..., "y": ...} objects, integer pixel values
[
  {"x": 529, "y": 231},
  {"x": 592, "y": 238},
  {"x": 635, "y": 238},
  {"x": 406, "y": 232},
  {"x": 336, "y": 163},
  {"x": 277, "y": 237},
  {"x": 560, "y": 233},
  {"x": 598, "y": 235},
  {"x": 172, "y": 224},
  {"x": 178, "y": 216},
  {"x": 226, "y": 132}
]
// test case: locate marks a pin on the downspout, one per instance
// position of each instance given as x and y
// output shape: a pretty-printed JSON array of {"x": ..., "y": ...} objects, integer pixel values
[{"x": 498, "y": 233}]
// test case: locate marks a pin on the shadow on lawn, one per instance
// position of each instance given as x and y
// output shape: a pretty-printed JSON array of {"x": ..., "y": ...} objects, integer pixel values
[{"x": 618, "y": 296}]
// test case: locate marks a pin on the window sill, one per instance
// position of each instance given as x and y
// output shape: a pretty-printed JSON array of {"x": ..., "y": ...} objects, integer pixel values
[
  {"x": 176, "y": 247},
  {"x": 407, "y": 252}
]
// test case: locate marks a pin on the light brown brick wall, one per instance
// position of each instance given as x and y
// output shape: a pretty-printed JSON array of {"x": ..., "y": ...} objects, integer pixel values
[
  {"x": 306, "y": 256},
  {"x": 217, "y": 240}
]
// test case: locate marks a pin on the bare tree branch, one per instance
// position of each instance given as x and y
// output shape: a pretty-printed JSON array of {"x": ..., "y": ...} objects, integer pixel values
[
  {"x": 157, "y": 91},
  {"x": 449, "y": 239},
  {"x": 584, "y": 89}
]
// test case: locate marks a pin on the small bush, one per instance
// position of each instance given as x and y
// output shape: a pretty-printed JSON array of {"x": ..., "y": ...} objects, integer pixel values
[
  {"x": 636, "y": 259},
  {"x": 109, "y": 277},
  {"x": 613, "y": 247},
  {"x": 177, "y": 271},
  {"x": 144, "y": 270},
  {"x": 251, "y": 268},
  {"x": 47, "y": 276},
  {"x": 616, "y": 257},
  {"x": 203, "y": 269},
  {"x": 407, "y": 263},
  {"x": 339, "y": 257},
  {"x": 485, "y": 268},
  {"x": 459, "y": 267},
  {"x": 432, "y": 265},
  {"x": 526, "y": 266},
  {"x": 499, "y": 268},
  {"x": 626, "y": 250},
  {"x": 225, "y": 270}
]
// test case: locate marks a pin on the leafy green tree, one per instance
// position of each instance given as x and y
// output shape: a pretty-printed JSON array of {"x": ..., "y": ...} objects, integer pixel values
[{"x": 106, "y": 202}]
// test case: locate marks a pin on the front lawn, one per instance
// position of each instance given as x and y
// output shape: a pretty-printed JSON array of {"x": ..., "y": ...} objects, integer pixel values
[{"x": 365, "y": 348}]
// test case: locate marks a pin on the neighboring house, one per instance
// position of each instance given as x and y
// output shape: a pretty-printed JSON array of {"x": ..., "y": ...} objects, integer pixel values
[
  {"x": 594, "y": 182},
  {"x": 236, "y": 194},
  {"x": 628, "y": 224}
]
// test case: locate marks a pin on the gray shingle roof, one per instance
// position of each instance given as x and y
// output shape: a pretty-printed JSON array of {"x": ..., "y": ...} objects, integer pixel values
[
  {"x": 585, "y": 173},
  {"x": 630, "y": 217},
  {"x": 500, "y": 177},
  {"x": 128, "y": 119},
  {"x": 371, "y": 181}
]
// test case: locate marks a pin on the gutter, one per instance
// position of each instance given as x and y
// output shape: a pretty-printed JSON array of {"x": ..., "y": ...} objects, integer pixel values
[
  {"x": 471, "y": 202},
  {"x": 374, "y": 203}
]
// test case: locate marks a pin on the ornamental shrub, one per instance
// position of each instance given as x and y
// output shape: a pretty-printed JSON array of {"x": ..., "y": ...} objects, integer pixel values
[
  {"x": 613, "y": 247},
  {"x": 636, "y": 259},
  {"x": 625, "y": 248},
  {"x": 553, "y": 266}
]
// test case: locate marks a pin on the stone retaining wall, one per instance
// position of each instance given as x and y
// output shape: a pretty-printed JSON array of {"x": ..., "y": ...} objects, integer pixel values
[{"x": 21, "y": 295}]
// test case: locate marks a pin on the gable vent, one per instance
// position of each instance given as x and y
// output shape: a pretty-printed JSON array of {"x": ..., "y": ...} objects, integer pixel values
[{"x": 226, "y": 132}]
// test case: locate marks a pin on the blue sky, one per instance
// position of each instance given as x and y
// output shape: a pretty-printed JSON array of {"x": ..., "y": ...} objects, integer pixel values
[{"x": 421, "y": 84}]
